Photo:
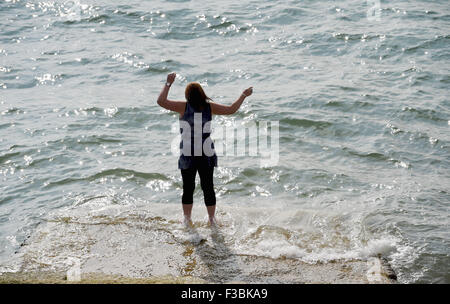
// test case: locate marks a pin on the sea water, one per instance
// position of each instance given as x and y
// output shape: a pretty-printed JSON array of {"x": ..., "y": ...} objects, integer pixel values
[{"x": 359, "y": 90}]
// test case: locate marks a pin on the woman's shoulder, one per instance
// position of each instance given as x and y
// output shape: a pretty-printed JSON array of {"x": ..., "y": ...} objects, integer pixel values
[{"x": 186, "y": 107}]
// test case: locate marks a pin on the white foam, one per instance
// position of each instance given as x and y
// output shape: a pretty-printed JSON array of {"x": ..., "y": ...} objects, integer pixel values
[
  {"x": 376, "y": 247},
  {"x": 278, "y": 249}
]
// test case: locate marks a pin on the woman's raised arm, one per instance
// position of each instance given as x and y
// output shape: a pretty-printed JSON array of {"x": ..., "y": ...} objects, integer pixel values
[
  {"x": 219, "y": 109},
  {"x": 177, "y": 106}
]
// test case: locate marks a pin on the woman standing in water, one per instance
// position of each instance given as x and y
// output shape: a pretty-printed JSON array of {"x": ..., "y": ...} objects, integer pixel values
[{"x": 198, "y": 108}]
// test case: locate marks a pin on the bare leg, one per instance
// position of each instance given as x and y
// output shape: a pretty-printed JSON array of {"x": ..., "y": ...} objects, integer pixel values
[
  {"x": 187, "y": 210},
  {"x": 211, "y": 212}
]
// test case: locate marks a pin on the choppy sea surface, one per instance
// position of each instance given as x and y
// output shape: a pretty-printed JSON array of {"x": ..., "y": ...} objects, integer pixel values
[{"x": 359, "y": 88}]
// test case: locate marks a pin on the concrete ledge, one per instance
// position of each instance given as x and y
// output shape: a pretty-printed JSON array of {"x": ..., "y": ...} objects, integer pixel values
[
  {"x": 71, "y": 252},
  {"x": 247, "y": 269}
]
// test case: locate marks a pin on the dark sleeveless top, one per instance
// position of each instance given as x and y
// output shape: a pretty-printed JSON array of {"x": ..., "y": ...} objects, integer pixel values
[{"x": 189, "y": 161}]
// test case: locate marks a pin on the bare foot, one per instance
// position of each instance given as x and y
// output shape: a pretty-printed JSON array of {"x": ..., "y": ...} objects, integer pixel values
[
  {"x": 187, "y": 222},
  {"x": 213, "y": 222}
]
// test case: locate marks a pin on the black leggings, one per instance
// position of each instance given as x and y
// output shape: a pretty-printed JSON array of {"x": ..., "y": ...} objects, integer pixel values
[{"x": 206, "y": 182}]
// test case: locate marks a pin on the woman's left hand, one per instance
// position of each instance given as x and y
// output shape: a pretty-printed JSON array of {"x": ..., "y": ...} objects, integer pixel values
[{"x": 248, "y": 92}]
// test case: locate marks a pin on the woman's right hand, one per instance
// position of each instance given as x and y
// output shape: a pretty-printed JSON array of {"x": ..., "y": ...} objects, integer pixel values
[
  {"x": 248, "y": 92},
  {"x": 171, "y": 77}
]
